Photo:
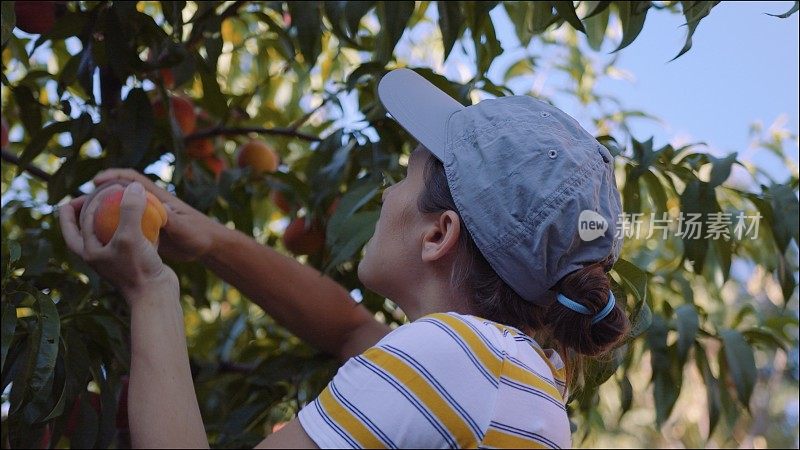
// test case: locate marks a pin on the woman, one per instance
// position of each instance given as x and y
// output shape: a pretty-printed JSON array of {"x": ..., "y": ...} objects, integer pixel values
[{"x": 481, "y": 245}]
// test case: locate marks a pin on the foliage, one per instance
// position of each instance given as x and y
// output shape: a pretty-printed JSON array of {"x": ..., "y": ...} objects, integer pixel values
[{"x": 272, "y": 68}]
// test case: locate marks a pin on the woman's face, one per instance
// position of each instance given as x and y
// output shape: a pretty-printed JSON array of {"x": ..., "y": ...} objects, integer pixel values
[{"x": 392, "y": 259}]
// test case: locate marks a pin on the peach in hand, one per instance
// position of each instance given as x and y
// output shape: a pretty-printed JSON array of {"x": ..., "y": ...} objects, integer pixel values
[{"x": 107, "y": 214}]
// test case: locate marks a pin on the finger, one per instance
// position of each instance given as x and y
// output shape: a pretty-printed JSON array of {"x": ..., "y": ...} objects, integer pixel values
[
  {"x": 69, "y": 228},
  {"x": 90, "y": 242},
  {"x": 77, "y": 204},
  {"x": 116, "y": 174},
  {"x": 130, "y": 211},
  {"x": 126, "y": 176}
]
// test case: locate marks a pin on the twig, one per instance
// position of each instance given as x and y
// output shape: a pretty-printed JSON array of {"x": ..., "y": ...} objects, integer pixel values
[
  {"x": 219, "y": 131},
  {"x": 30, "y": 168},
  {"x": 197, "y": 38},
  {"x": 299, "y": 122}
]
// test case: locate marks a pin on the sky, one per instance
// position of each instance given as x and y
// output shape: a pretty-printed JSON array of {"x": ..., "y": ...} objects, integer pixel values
[{"x": 741, "y": 69}]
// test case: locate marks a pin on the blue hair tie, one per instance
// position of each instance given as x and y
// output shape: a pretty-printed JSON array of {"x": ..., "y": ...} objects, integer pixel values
[{"x": 578, "y": 308}]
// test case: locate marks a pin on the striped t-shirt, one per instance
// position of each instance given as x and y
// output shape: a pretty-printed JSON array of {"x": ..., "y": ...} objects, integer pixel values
[{"x": 443, "y": 381}]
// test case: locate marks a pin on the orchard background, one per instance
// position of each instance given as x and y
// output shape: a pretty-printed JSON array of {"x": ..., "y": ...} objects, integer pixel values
[{"x": 85, "y": 87}]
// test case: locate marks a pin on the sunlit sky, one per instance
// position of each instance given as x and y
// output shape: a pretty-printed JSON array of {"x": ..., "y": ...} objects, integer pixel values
[{"x": 741, "y": 69}]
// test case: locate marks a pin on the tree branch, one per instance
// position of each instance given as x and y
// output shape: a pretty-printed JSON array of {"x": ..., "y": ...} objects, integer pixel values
[
  {"x": 28, "y": 167},
  {"x": 220, "y": 131}
]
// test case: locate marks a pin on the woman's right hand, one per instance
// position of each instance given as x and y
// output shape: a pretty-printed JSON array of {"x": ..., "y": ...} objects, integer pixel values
[{"x": 188, "y": 234}]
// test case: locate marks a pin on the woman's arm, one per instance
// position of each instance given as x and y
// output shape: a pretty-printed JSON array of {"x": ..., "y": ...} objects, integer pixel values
[
  {"x": 162, "y": 405},
  {"x": 312, "y": 306}
]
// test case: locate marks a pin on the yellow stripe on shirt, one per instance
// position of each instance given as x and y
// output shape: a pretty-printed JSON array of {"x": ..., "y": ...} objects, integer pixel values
[
  {"x": 493, "y": 364},
  {"x": 354, "y": 426},
  {"x": 524, "y": 376},
  {"x": 430, "y": 398},
  {"x": 499, "y": 439},
  {"x": 481, "y": 351}
]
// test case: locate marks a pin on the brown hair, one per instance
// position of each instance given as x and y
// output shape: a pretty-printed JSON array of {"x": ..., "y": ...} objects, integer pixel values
[{"x": 491, "y": 298}]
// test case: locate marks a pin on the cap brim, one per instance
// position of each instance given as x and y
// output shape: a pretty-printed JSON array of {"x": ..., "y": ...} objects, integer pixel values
[{"x": 419, "y": 107}]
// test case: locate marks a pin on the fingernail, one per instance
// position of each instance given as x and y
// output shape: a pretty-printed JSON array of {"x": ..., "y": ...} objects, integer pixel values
[{"x": 136, "y": 188}]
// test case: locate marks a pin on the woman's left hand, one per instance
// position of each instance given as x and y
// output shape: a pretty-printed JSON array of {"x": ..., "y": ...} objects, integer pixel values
[{"x": 129, "y": 261}]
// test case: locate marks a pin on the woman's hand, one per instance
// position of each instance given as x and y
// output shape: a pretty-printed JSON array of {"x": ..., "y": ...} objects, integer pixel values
[
  {"x": 188, "y": 234},
  {"x": 129, "y": 261}
]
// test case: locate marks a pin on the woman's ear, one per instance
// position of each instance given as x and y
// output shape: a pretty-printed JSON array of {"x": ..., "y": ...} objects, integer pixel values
[{"x": 441, "y": 236}]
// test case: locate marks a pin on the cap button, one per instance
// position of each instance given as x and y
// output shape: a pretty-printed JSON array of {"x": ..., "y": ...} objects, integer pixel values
[{"x": 552, "y": 154}]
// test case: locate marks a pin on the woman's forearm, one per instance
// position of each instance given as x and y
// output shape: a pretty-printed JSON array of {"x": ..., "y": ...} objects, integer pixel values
[
  {"x": 312, "y": 306},
  {"x": 162, "y": 408}
]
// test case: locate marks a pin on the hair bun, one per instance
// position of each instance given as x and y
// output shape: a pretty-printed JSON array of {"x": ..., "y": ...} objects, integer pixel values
[{"x": 589, "y": 288}]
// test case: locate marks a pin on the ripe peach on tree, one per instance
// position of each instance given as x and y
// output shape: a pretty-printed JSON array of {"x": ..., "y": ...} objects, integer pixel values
[
  {"x": 35, "y": 17},
  {"x": 302, "y": 238},
  {"x": 182, "y": 108},
  {"x": 258, "y": 156}
]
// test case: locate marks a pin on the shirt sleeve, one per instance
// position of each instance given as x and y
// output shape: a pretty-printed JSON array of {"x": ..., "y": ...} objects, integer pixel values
[{"x": 419, "y": 387}]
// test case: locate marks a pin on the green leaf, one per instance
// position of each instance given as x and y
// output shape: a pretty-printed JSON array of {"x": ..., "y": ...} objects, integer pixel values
[
  {"x": 721, "y": 169},
  {"x": 786, "y": 214},
  {"x": 172, "y": 11},
  {"x": 70, "y": 176},
  {"x": 335, "y": 11},
  {"x": 521, "y": 14},
  {"x": 81, "y": 131},
  {"x": 785, "y": 15},
  {"x": 640, "y": 320},
  {"x": 656, "y": 190},
  {"x": 626, "y": 395},
  {"x": 7, "y": 22},
  {"x": 665, "y": 389},
  {"x": 697, "y": 198},
  {"x": 351, "y": 202},
  {"x": 694, "y": 12},
  {"x": 633, "y": 277},
  {"x": 354, "y": 11},
  {"x": 765, "y": 337},
  {"x": 213, "y": 99},
  {"x": 741, "y": 363},
  {"x": 451, "y": 22},
  {"x": 68, "y": 25},
  {"x": 596, "y": 28},
  {"x": 49, "y": 329},
  {"x": 87, "y": 425},
  {"x": 41, "y": 138},
  {"x": 30, "y": 111},
  {"x": 687, "y": 324},
  {"x": 632, "y": 16},
  {"x": 595, "y": 8},
  {"x": 353, "y": 233},
  {"x": 135, "y": 127},
  {"x": 712, "y": 388},
  {"x": 566, "y": 11},
  {"x": 631, "y": 192},
  {"x": 393, "y": 17},
  {"x": 76, "y": 370},
  {"x": 519, "y": 68},
  {"x": 9, "y": 326},
  {"x": 542, "y": 17},
  {"x": 307, "y": 22}
]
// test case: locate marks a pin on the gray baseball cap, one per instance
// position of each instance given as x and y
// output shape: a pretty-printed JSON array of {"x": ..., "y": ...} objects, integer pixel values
[{"x": 535, "y": 190}]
